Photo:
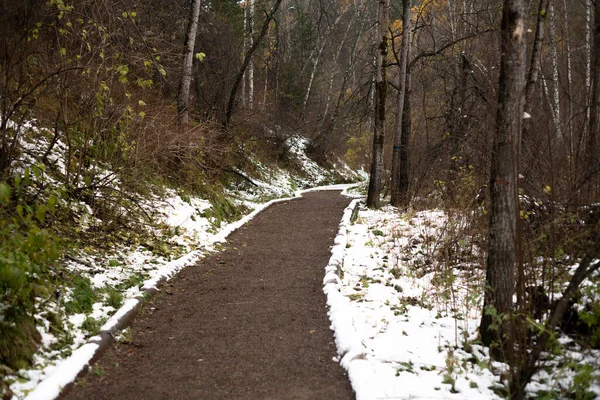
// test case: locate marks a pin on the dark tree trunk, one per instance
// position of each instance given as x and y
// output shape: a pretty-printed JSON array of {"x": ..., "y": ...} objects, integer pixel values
[
  {"x": 374, "y": 193},
  {"x": 503, "y": 235},
  {"x": 406, "y": 132},
  {"x": 400, "y": 151}
]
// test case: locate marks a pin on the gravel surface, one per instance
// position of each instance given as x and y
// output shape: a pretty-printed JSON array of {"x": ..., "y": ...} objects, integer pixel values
[{"x": 249, "y": 322}]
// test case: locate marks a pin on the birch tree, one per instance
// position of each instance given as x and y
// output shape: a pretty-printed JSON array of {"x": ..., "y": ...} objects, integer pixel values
[{"x": 183, "y": 96}]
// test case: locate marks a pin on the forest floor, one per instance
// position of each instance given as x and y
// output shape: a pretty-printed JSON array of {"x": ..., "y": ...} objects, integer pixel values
[{"x": 247, "y": 322}]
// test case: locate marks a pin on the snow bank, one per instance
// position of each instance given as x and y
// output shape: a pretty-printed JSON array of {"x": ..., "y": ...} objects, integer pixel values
[{"x": 350, "y": 348}]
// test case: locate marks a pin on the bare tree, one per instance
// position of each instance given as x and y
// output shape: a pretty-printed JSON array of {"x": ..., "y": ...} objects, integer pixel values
[
  {"x": 374, "y": 193},
  {"x": 183, "y": 96}
]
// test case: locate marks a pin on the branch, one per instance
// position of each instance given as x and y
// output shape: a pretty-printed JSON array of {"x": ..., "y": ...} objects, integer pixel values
[{"x": 445, "y": 46}]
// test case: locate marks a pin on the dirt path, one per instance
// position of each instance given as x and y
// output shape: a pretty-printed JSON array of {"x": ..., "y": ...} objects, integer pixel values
[{"x": 249, "y": 322}]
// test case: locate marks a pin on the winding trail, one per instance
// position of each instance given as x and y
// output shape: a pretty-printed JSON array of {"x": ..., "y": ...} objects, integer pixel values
[{"x": 249, "y": 322}]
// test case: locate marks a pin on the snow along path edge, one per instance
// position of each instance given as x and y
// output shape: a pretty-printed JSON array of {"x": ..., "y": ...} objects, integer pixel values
[
  {"x": 76, "y": 364},
  {"x": 350, "y": 348}
]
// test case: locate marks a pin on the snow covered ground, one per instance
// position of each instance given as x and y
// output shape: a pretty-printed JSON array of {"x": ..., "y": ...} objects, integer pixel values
[
  {"x": 118, "y": 279},
  {"x": 405, "y": 321}
]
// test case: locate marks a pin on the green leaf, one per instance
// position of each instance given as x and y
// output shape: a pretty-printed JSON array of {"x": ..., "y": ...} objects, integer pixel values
[
  {"x": 40, "y": 213},
  {"x": 27, "y": 177},
  {"x": 4, "y": 193},
  {"x": 52, "y": 204},
  {"x": 200, "y": 56},
  {"x": 37, "y": 172}
]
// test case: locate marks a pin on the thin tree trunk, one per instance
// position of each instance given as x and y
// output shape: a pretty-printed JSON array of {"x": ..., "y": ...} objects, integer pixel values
[
  {"x": 312, "y": 75},
  {"x": 535, "y": 64},
  {"x": 555, "y": 105},
  {"x": 403, "y": 182},
  {"x": 374, "y": 193},
  {"x": 567, "y": 36},
  {"x": 183, "y": 97},
  {"x": 238, "y": 79},
  {"x": 245, "y": 47},
  {"x": 399, "y": 150},
  {"x": 251, "y": 63},
  {"x": 503, "y": 235},
  {"x": 588, "y": 68}
]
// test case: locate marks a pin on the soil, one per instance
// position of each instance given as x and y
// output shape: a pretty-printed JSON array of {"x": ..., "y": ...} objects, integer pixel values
[{"x": 248, "y": 322}]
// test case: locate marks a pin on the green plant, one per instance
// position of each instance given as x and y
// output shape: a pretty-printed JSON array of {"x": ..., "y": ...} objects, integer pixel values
[
  {"x": 114, "y": 298},
  {"x": 28, "y": 252},
  {"x": 582, "y": 381},
  {"x": 91, "y": 325},
  {"x": 83, "y": 296},
  {"x": 405, "y": 367}
]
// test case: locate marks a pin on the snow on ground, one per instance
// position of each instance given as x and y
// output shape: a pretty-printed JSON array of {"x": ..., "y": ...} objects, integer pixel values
[{"x": 404, "y": 320}]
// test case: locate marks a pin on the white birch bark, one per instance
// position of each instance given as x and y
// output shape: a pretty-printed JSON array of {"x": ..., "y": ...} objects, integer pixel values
[
  {"x": 569, "y": 111},
  {"x": 251, "y": 64},
  {"x": 588, "y": 63},
  {"x": 183, "y": 97},
  {"x": 555, "y": 75},
  {"x": 244, "y": 102}
]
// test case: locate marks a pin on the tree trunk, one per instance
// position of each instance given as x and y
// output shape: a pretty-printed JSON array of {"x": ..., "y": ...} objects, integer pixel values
[
  {"x": 503, "y": 235},
  {"x": 251, "y": 63},
  {"x": 245, "y": 46},
  {"x": 183, "y": 96},
  {"x": 588, "y": 70},
  {"x": 374, "y": 193},
  {"x": 555, "y": 104},
  {"x": 406, "y": 132},
  {"x": 398, "y": 193},
  {"x": 569, "y": 104},
  {"x": 534, "y": 66},
  {"x": 592, "y": 138}
]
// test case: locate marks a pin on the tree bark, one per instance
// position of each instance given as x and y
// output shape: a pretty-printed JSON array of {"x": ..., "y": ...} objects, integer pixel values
[
  {"x": 503, "y": 235},
  {"x": 183, "y": 96},
  {"x": 591, "y": 154},
  {"x": 555, "y": 104},
  {"x": 251, "y": 63},
  {"x": 374, "y": 193},
  {"x": 400, "y": 151}
]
